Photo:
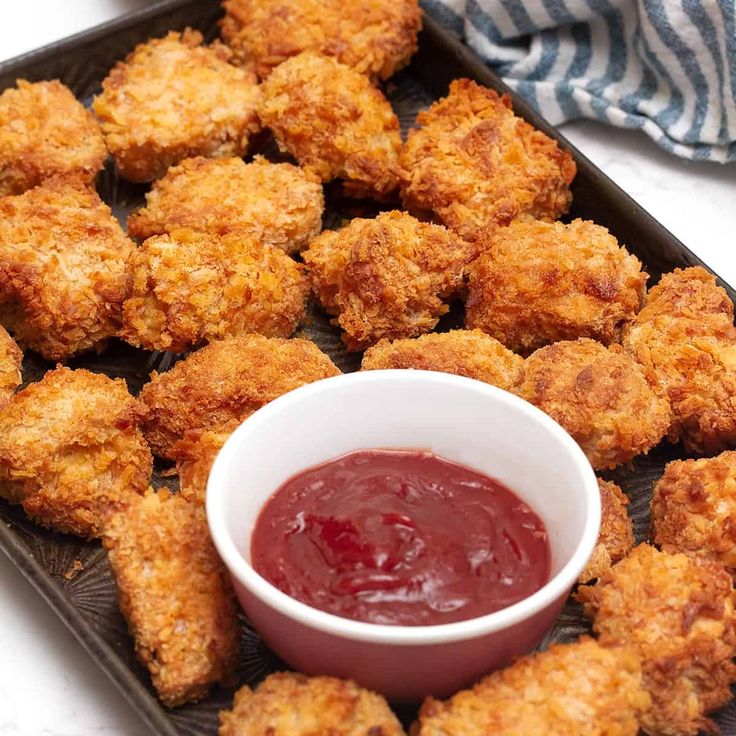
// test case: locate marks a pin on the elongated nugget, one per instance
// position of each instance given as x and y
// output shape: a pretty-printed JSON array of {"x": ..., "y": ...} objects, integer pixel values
[
  {"x": 11, "y": 358},
  {"x": 175, "y": 595}
]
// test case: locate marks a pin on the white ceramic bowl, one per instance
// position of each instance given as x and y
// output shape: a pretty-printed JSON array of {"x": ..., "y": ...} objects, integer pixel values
[{"x": 460, "y": 419}]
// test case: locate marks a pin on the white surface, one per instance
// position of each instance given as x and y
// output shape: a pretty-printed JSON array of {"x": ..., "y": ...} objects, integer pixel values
[{"x": 48, "y": 684}]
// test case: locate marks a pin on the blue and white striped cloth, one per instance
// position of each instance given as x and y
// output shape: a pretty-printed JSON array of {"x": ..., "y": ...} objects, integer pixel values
[{"x": 667, "y": 67}]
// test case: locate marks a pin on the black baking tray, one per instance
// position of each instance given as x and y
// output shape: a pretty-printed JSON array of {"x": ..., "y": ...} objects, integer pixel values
[{"x": 85, "y": 599}]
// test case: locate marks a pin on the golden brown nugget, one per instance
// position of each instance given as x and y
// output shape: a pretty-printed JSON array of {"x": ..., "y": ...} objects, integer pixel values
[
  {"x": 224, "y": 382},
  {"x": 387, "y": 277},
  {"x": 64, "y": 269},
  {"x": 173, "y": 98},
  {"x": 538, "y": 282},
  {"x": 11, "y": 358},
  {"x": 580, "y": 689},
  {"x": 195, "y": 454},
  {"x": 276, "y": 204},
  {"x": 45, "y": 131},
  {"x": 685, "y": 337},
  {"x": 600, "y": 395},
  {"x": 71, "y": 451},
  {"x": 469, "y": 353},
  {"x": 678, "y": 613},
  {"x": 175, "y": 595},
  {"x": 374, "y": 37},
  {"x": 475, "y": 164},
  {"x": 292, "y": 704},
  {"x": 334, "y": 122},
  {"x": 189, "y": 287}
]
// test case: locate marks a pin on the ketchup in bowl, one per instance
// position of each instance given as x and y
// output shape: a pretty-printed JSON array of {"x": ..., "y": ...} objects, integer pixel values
[{"x": 400, "y": 537}]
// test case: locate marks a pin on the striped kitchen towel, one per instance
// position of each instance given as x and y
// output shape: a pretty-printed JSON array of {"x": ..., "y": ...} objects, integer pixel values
[{"x": 665, "y": 66}]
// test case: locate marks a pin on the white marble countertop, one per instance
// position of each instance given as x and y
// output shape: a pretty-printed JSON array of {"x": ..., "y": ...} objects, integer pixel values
[{"x": 48, "y": 684}]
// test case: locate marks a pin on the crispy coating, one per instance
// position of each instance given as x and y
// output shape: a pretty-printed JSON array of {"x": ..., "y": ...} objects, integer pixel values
[
  {"x": 64, "y": 269},
  {"x": 600, "y": 395},
  {"x": 539, "y": 282},
  {"x": 694, "y": 508},
  {"x": 195, "y": 454},
  {"x": 334, "y": 122},
  {"x": 71, "y": 451},
  {"x": 173, "y": 98},
  {"x": 292, "y": 704},
  {"x": 11, "y": 358},
  {"x": 175, "y": 594},
  {"x": 685, "y": 337},
  {"x": 678, "y": 613},
  {"x": 475, "y": 164},
  {"x": 224, "y": 382},
  {"x": 469, "y": 353},
  {"x": 189, "y": 287},
  {"x": 374, "y": 37},
  {"x": 387, "y": 277},
  {"x": 276, "y": 204},
  {"x": 45, "y": 131},
  {"x": 578, "y": 689}
]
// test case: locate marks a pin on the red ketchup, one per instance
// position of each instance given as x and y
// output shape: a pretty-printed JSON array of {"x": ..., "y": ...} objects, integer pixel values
[{"x": 400, "y": 537}]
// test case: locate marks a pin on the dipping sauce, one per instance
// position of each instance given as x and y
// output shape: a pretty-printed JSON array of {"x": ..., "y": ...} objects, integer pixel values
[{"x": 400, "y": 537}]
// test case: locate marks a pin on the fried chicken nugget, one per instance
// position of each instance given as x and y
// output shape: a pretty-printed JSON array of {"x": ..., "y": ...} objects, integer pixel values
[
  {"x": 600, "y": 395},
  {"x": 292, "y": 704},
  {"x": 71, "y": 451},
  {"x": 539, "y": 282},
  {"x": 578, "y": 689},
  {"x": 45, "y": 131},
  {"x": 374, "y": 37},
  {"x": 173, "y": 98},
  {"x": 225, "y": 382},
  {"x": 11, "y": 358},
  {"x": 189, "y": 287},
  {"x": 175, "y": 594},
  {"x": 195, "y": 455},
  {"x": 64, "y": 269},
  {"x": 276, "y": 204},
  {"x": 475, "y": 164},
  {"x": 334, "y": 122},
  {"x": 678, "y": 613},
  {"x": 685, "y": 337},
  {"x": 387, "y": 277}
]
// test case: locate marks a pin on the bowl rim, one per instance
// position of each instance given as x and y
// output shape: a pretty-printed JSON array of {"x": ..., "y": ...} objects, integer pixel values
[{"x": 304, "y": 614}]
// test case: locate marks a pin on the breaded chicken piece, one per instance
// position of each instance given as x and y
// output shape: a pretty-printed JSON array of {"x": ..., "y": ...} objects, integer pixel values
[
  {"x": 600, "y": 395},
  {"x": 694, "y": 508},
  {"x": 334, "y": 123},
  {"x": 539, "y": 282},
  {"x": 175, "y": 595},
  {"x": 189, "y": 287},
  {"x": 578, "y": 689},
  {"x": 678, "y": 613},
  {"x": 292, "y": 704},
  {"x": 64, "y": 269},
  {"x": 276, "y": 204},
  {"x": 195, "y": 454},
  {"x": 616, "y": 537},
  {"x": 469, "y": 353},
  {"x": 374, "y": 37},
  {"x": 71, "y": 451},
  {"x": 387, "y": 277},
  {"x": 11, "y": 358},
  {"x": 45, "y": 131},
  {"x": 685, "y": 337},
  {"x": 224, "y": 382},
  {"x": 475, "y": 164},
  {"x": 173, "y": 98}
]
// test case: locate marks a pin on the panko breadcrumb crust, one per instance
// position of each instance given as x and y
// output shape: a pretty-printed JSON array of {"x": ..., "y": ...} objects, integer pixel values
[
  {"x": 539, "y": 282},
  {"x": 195, "y": 454},
  {"x": 71, "y": 451},
  {"x": 276, "y": 204},
  {"x": 475, "y": 164},
  {"x": 64, "y": 269},
  {"x": 11, "y": 358},
  {"x": 387, "y": 277},
  {"x": 175, "y": 595},
  {"x": 292, "y": 704},
  {"x": 44, "y": 132},
  {"x": 334, "y": 122},
  {"x": 173, "y": 98}
]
